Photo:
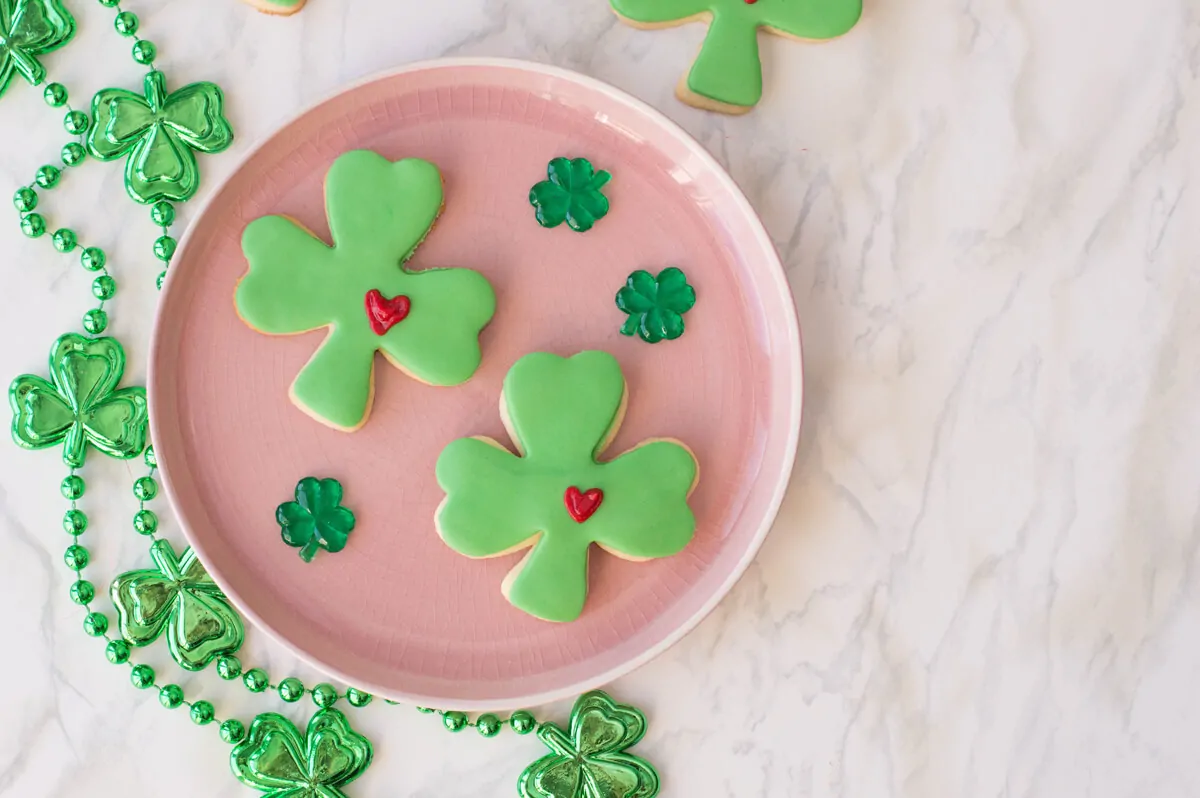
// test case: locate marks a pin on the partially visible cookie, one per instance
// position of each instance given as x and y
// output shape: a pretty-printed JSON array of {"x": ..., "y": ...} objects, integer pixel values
[{"x": 280, "y": 8}]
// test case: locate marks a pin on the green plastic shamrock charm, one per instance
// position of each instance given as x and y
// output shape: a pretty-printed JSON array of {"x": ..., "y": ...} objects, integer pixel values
[
  {"x": 81, "y": 403},
  {"x": 280, "y": 762},
  {"x": 656, "y": 304},
  {"x": 316, "y": 520},
  {"x": 29, "y": 28},
  {"x": 590, "y": 760},
  {"x": 727, "y": 74},
  {"x": 555, "y": 496},
  {"x": 426, "y": 323},
  {"x": 160, "y": 134},
  {"x": 179, "y": 597},
  {"x": 571, "y": 195}
]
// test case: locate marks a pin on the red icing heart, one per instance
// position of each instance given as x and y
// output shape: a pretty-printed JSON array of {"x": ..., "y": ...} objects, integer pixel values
[
  {"x": 581, "y": 505},
  {"x": 385, "y": 313}
]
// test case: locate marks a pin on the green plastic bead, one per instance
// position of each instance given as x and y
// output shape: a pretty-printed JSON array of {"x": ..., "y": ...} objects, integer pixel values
[
  {"x": 95, "y": 624},
  {"x": 358, "y": 698},
  {"x": 488, "y": 725},
  {"x": 33, "y": 225},
  {"x": 202, "y": 713},
  {"x": 162, "y": 276},
  {"x": 55, "y": 95},
  {"x": 82, "y": 592},
  {"x": 229, "y": 667},
  {"x": 93, "y": 259},
  {"x": 117, "y": 652},
  {"x": 76, "y": 557},
  {"x": 95, "y": 321},
  {"x": 256, "y": 680},
  {"x": 454, "y": 721},
  {"x": 170, "y": 696},
  {"x": 25, "y": 199},
  {"x": 164, "y": 248},
  {"x": 110, "y": 3},
  {"x": 47, "y": 176},
  {"x": 72, "y": 487},
  {"x": 104, "y": 287},
  {"x": 162, "y": 213},
  {"x": 73, "y": 153},
  {"x": 75, "y": 522},
  {"x": 150, "y": 458},
  {"x": 291, "y": 689},
  {"x": 522, "y": 722},
  {"x": 75, "y": 122},
  {"x": 64, "y": 239},
  {"x": 145, "y": 522},
  {"x": 145, "y": 489},
  {"x": 324, "y": 695},
  {"x": 144, "y": 52},
  {"x": 126, "y": 23},
  {"x": 142, "y": 676},
  {"x": 232, "y": 731}
]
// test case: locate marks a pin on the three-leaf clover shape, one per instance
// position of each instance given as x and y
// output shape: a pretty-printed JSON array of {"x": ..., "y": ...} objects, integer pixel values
[
  {"x": 656, "y": 304},
  {"x": 728, "y": 70},
  {"x": 590, "y": 759},
  {"x": 179, "y": 597},
  {"x": 555, "y": 496},
  {"x": 572, "y": 194},
  {"x": 29, "y": 28},
  {"x": 278, "y": 760},
  {"x": 316, "y": 519},
  {"x": 379, "y": 212},
  {"x": 80, "y": 404},
  {"x": 160, "y": 133}
]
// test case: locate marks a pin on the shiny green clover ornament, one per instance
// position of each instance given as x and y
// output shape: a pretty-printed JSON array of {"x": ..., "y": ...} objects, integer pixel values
[
  {"x": 316, "y": 520},
  {"x": 656, "y": 304},
  {"x": 279, "y": 761},
  {"x": 179, "y": 597},
  {"x": 81, "y": 403},
  {"x": 571, "y": 195},
  {"x": 29, "y": 28},
  {"x": 159, "y": 134},
  {"x": 590, "y": 760}
]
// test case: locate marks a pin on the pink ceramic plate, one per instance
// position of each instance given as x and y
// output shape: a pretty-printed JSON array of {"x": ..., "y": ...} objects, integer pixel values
[{"x": 397, "y": 612}]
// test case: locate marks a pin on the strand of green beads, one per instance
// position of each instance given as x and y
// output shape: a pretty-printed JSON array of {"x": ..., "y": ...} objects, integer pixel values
[
  {"x": 126, "y": 23},
  {"x": 487, "y": 724},
  {"x": 162, "y": 213},
  {"x": 145, "y": 522}
]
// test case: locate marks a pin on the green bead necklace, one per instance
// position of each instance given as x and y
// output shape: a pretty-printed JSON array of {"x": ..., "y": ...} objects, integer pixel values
[{"x": 81, "y": 407}]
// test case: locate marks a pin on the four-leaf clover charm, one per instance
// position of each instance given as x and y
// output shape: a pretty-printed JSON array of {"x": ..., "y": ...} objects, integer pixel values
[
  {"x": 656, "y": 304},
  {"x": 572, "y": 194},
  {"x": 81, "y": 403},
  {"x": 279, "y": 761},
  {"x": 177, "y": 596},
  {"x": 316, "y": 520},
  {"x": 590, "y": 759},
  {"x": 555, "y": 496},
  {"x": 29, "y": 28},
  {"x": 159, "y": 133}
]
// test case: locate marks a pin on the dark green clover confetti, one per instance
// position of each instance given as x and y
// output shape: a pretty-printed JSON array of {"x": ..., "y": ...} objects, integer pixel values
[
  {"x": 316, "y": 519},
  {"x": 572, "y": 194},
  {"x": 656, "y": 304}
]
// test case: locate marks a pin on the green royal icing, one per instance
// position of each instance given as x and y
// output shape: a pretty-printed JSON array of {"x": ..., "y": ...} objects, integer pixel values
[
  {"x": 728, "y": 68},
  {"x": 379, "y": 212},
  {"x": 561, "y": 413}
]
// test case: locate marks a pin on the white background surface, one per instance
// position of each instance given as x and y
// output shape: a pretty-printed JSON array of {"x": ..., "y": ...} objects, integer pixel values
[{"x": 982, "y": 581}]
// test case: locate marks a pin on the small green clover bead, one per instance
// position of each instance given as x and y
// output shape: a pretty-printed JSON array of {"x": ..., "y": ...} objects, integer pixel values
[
  {"x": 315, "y": 520},
  {"x": 590, "y": 759},
  {"x": 80, "y": 404},
  {"x": 571, "y": 195},
  {"x": 279, "y": 761},
  {"x": 159, "y": 135},
  {"x": 29, "y": 28},
  {"x": 656, "y": 304}
]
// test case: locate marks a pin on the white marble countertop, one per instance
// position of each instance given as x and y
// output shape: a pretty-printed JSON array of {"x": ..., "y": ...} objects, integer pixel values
[{"x": 981, "y": 583}]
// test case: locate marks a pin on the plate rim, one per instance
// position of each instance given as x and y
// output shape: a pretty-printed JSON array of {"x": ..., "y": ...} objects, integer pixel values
[{"x": 778, "y": 278}]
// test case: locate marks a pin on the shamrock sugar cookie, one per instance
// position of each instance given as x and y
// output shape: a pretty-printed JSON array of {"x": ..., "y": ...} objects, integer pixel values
[
  {"x": 727, "y": 74},
  {"x": 425, "y": 323},
  {"x": 555, "y": 497}
]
